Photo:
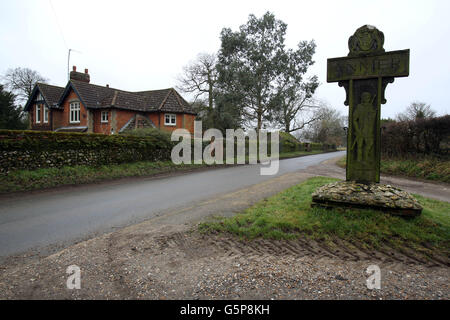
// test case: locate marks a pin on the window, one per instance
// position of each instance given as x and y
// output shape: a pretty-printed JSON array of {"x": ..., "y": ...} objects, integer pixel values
[
  {"x": 45, "y": 114},
  {"x": 170, "y": 119},
  {"x": 105, "y": 116},
  {"x": 75, "y": 112},
  {"x": 39, "y": 97},
  {"x": 38, "y": 113}
]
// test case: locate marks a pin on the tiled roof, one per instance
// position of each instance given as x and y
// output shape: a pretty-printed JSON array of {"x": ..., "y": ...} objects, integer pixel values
[
  {"x": 51, "y": 93},
  {"x": 95, "y": 96}
]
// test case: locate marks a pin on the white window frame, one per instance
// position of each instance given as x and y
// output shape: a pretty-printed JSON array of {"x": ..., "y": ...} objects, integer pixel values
[
  {"x": 74, "y": 112},
  {"x": 46, "y": 111},
  {"x": 103, "y": 120},
  {"x": 38, "y": 113},
  {"x": 171, "y": 116}
]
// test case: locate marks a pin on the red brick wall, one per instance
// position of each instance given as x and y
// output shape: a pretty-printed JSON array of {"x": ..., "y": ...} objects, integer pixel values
[
  {"x": 122, "y": 117},
  {"x": 65, "y": 116},
  {"x": 61, "y": 118},
  {"x": 100, "y": 127},
  {"x": 41, "y": 125},
  {"x": 57, "y": 119},
  {"x": 188, "y": 121},
  {"x": 154, "y": 116}
]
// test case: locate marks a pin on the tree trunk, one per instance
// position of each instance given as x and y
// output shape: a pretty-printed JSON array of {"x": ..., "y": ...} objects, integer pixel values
[{"x": 210, "y": 94}]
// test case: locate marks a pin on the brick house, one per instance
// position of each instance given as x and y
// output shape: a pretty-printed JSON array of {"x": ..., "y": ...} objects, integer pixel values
[{"x": 84, "y": 107}]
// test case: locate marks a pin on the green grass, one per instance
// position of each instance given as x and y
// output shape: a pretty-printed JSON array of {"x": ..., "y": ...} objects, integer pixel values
[
  {"x": 294, "y": 154},
  {"x": 429, "y": 168},
  {"x": 288, "y": 215},
  {"x": 23, "y": 180}
]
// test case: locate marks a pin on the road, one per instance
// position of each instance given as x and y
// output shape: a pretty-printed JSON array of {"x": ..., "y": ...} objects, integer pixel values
[{"x": 36, "y": 220}]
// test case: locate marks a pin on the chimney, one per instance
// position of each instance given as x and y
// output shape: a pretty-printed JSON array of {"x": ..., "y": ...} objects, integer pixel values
[
  {"x": 74, "y": 75},
  {"x": 107, "y": 85}
]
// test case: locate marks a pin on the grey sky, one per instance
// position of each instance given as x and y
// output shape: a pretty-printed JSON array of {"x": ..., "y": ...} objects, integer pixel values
[{"x": 142, "y": 45}]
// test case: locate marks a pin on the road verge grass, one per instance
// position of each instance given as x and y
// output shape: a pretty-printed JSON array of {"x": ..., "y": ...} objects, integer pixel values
[
  {"x": 23, "y": 180},
  {"x": 27, "y": 180},
  {"x": 288, "y": 215},
  {"x": 428, "y": 168}
]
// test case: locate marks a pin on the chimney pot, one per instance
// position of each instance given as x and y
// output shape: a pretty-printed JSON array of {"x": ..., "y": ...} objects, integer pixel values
[
  {"x": 107, "y": 85},
  {"x": 79, "y": 76}
]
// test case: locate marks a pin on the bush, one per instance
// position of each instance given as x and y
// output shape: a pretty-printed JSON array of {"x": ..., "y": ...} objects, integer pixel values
[
  {"x": 39, "y": 149},
  {"x": 149, "y": 132},
  {"x": 421, "y": 136}
]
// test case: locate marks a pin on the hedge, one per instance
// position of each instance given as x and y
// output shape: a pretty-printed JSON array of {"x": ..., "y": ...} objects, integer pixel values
[
  {"x": 25, "y": 149},
  {"x": 422, "y": 136},
  {"x": 288, "y": 143},
  {"x": 37, "y": 149}
]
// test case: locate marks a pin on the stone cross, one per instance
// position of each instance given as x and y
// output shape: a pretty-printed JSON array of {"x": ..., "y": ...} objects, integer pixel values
[{"x": 364, "y": 74}]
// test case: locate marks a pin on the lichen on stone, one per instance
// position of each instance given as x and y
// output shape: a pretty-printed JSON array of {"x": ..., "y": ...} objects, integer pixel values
[{"x": 374, "y": 195}]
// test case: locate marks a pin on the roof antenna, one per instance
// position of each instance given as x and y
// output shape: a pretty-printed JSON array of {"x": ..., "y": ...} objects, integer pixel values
[{"x": 68, "y": 63}]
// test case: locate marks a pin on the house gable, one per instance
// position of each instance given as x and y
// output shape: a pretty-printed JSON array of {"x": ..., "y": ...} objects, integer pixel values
[
  {"x": 66, "y": 118},
  {"x": 50, "y": 95},
  {"x": 41, "y": 104},
  {"x": 69, "y": 90},
  {"x": 107, "y": 110}
]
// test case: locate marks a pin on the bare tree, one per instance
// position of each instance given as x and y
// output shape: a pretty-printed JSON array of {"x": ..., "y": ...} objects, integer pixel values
[
  {"x": 21, "y": 81},
  {"x": 199, "y": 78},
  {"x": 416, "y": 110},
  {"x": 328, "y": 129},
  {"x": 297, "y": 110}
]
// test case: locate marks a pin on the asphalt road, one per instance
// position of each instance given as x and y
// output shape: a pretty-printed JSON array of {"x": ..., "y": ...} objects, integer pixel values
[{"x": 37, "y": 220}]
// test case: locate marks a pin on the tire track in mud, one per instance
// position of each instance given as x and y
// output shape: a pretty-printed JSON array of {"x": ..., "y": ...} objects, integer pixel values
[{"x": 229, "y": 247}]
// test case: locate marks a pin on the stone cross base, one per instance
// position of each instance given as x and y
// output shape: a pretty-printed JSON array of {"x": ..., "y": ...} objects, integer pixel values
[{"x": 376, "y": 196}]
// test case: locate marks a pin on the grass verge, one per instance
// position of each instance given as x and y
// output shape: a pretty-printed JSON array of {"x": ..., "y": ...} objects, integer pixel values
[
  {"x": 429, "y": 168},
  {"x": 288, "y": 215},
  {"x": 22, "y": 180},
  {"x": 294, "y": 154},
  {"x": 26, "y": 180}
]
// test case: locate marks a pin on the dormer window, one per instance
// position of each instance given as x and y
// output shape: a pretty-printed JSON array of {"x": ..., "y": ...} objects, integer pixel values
[
  {"x": 39, "y": 97},
  {"x": 75, "y": 112}
]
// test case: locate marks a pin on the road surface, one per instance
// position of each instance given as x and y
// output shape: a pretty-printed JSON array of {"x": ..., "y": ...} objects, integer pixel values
[{"x": 36, "y": 220}]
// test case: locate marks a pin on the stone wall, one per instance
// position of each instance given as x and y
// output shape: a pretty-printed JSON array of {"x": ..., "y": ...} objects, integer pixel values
[{"x": 33, "y": 150}]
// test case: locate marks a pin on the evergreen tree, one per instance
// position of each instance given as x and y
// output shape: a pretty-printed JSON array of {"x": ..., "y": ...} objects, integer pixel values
[{"x": 10, "y": 115}]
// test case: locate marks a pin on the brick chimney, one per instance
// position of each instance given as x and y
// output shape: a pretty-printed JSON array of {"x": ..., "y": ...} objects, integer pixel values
[{"x": 74, "y": 75}]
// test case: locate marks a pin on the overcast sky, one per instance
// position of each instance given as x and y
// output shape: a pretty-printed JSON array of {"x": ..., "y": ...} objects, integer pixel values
[{"x": 143, "y": 45}]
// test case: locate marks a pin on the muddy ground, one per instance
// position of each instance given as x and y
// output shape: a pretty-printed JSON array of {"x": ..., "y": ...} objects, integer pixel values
[{"x": 165, "y": 258}]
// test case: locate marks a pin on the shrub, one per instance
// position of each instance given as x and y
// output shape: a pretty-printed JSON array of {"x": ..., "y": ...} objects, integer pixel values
[
  {"x": 288, "y": 143},
  {"x": 420, "y": 136},
  {"x": 149, "y": 132},
  {"x": 39, "y": 149}
]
